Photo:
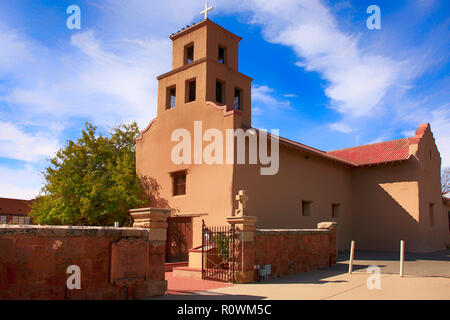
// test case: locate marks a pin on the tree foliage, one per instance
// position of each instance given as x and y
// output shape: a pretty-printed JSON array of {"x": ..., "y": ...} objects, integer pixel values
[
  {"x": 445, "y": 181},
  {"x": 92, "y": 181}
]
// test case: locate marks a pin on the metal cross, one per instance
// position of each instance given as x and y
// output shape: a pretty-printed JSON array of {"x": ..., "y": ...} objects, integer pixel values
[{"x": 205, "y": 12}]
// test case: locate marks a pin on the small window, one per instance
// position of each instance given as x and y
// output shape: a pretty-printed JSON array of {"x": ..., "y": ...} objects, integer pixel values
[
  {"x": 26, "y": 220},
  {"x": 219, "y": 92},
  {"x": 335, "y": 210},
  {"x": 306, "y": 208},
  {"x": 189, "y": 54},
  {"x": 2, "y": 219},
  {"x": 179, "y": 183},
  {"x": 431, "y": 215},
  {"x": 190, "y": 90},
  {"x": 222, "y": 52},
  {"x": 237, "y": 99},
  {"x": 171, "y": 97}
]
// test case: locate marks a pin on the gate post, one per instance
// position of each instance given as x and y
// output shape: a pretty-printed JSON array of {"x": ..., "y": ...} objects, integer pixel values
[
  {"x": 245, "y": 229},
  {"x": 155, "y": 219}
]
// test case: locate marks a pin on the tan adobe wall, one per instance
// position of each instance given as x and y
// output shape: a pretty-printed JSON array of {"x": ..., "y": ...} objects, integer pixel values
[
  {"x": 206, "y": 185},
  {"x": 276, "y": 200},
  {"x": 386, "y": 206},
  {"x": 433, "y": 235}
]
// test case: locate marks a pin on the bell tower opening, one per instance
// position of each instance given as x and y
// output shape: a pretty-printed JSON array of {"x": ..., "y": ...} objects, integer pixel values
[{"x": 189, "y": 53}]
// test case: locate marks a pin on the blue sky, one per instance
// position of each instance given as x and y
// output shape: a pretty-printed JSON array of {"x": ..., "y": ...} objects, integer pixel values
[{"x": 320, "y": 75}]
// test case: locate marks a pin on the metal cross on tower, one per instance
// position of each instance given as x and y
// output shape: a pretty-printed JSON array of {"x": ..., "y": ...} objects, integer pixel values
[{"x": 207, "y": 9}]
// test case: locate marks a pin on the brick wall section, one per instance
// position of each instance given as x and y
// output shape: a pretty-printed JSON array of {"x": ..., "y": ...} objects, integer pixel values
[
  {"x": 291, "y": 251},
  {"x": 34, "y": 260}
]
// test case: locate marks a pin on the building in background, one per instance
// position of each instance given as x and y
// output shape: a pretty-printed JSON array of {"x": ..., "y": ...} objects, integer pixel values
[{"x": 14, "y": 211}]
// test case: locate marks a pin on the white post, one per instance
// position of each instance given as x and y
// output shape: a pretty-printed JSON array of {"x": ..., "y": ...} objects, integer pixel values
[
  {"x": 352, "y": 253},
  {"x": 402, "y": 257}
]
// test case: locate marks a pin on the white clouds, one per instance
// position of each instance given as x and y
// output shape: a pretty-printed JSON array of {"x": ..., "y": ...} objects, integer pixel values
[
  {"x": 22, "y": 183},
  {"x": 19, "y": 145},
  {"x": 341, "y": 127},
  {"x": 267, "y": 96},
  {"x": 409, "y": 133},
  {"x": 357, "y": 80},
  {"x": 106, "y": 83},
  {"x": 101, "y": 76},
  {"x": 13, "y": 49},
  {"x": 127, "y": 76}
]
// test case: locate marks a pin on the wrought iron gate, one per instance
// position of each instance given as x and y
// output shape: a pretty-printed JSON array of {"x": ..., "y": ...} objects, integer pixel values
[{"x": 220, "y": 253}]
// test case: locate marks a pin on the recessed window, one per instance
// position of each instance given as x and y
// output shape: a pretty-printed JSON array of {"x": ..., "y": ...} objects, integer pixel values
[
  {"x": 306, "y": 208},
  {"x": 179, "y": 183},
  {"x": 222, "y": 54},
  {"x": 237, "y": 99},
  {"x": 335, "y": 210},
  {"x": 219, "y": 92},
  {"x": 20, "y": 220},
  {"x": 431, "y": 212},
  {"x": 171, "y": 97},
  {"x": 189, "y": 53},
  {"x": 3, "y": 219},
  {"x": 190, "y": 90}
]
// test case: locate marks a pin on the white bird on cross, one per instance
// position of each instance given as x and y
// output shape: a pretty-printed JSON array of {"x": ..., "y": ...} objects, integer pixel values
[{"x": 205, "y": 12}]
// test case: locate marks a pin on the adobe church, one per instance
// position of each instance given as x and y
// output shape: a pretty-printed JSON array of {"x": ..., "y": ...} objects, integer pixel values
[{"x": 378, "y": 194}]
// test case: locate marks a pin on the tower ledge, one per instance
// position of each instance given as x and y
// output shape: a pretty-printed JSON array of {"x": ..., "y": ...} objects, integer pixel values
[{"x": 198, "y": 25}]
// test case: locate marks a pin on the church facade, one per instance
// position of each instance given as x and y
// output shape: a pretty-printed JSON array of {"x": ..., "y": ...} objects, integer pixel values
[{"x": 378, "y": 194}]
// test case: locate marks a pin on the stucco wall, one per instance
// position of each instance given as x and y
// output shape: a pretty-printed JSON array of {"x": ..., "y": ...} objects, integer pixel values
[
  {"x": 433, "y": 236},
  {"x": 386, "y": 206},
  {"x": 276, "y": 200},
  {"x": 206, "y": 185}
]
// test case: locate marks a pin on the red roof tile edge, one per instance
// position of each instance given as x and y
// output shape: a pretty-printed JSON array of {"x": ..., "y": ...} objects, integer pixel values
[{"x": 382, "y": 152}]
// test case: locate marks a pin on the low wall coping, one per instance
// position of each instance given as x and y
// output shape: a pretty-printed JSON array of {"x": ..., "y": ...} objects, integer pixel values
[
  {"x": 74, "y": 231},
  {"x": 291, "y": 231},
  {"x": 150, "y": 209}
]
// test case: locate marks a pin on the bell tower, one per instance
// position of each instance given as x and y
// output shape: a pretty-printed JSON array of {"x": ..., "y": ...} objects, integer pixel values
[{"x": 205, "y": 72}]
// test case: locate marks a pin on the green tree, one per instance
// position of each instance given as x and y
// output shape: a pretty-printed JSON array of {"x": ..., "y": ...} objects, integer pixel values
[{"x": 92, "y": 181}]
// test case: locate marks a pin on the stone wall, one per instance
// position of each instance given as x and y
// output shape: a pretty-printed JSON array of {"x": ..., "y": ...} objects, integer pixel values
[
  {"x": 34, "y": 262},
  {"x": 291, "y": 251},
  {"x": 288, "y": 251}
]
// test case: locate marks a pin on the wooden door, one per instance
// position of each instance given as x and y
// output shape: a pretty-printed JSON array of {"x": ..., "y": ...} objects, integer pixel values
[{"x": 179, "y": 239}]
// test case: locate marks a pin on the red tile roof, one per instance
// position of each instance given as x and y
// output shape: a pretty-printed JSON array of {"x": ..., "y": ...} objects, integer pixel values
[
  {"x": 376, "y": 153},
  {"x": 382, "y": 152},
  {"x": 395, "y": 150},
  {"x": 14, "y": 206}
]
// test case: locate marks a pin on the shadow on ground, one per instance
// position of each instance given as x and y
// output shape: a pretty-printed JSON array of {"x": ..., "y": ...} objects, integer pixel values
[
  {"x": 435, "y": 264},
  {"x": 432, "y": 264}
]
